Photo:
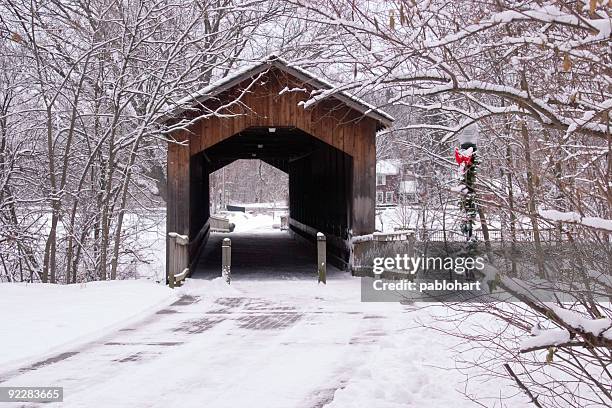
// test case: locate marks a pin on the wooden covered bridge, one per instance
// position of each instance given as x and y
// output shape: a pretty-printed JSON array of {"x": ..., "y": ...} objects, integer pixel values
[{"x": 327, "y": 146}]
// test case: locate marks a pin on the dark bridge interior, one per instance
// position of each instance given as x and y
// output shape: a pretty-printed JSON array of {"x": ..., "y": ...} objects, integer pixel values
[
  {"x": 319, "y": 181},
  {"x": 277, "y": 148},
  {"x": 261, "y": 255}
]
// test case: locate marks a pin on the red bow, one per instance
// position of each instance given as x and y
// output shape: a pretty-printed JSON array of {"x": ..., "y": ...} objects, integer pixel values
[{"x": 462, "y": 159}]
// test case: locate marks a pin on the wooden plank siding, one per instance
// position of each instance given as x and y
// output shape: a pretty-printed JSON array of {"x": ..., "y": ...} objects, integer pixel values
[
  {"x": 178, "y": 196},
  {"x": 344, "y": 174}
]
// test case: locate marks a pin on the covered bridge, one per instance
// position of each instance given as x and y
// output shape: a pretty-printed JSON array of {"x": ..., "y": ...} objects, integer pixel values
[{"x": 326, "y": 145}]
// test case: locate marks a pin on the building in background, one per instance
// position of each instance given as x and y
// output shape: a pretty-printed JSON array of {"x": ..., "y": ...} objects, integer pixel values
[{"x": 395, "y": 183}]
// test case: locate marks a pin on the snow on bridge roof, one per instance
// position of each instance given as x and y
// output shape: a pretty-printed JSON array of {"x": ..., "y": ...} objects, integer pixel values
[{"x": 272, "y": 61}]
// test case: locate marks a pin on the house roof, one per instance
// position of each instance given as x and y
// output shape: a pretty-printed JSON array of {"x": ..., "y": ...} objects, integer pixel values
[
  {"x": 388, "y": 167},
  {"x": 384, "y": 119}
]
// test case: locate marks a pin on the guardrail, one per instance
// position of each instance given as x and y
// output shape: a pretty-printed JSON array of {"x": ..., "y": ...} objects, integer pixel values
[
  {"x": 220, "y": 224},
  {"x": 179, "y": 258},
  {"x": 495, "y": 235},
  {"x": 365, "y": 248}
]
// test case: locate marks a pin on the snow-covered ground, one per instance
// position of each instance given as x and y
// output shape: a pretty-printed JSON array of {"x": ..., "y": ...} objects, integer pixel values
[
  {"x": 257, "y": 343},
  {"x": 408, "y": 217},
  {"x": 248, "y": 222},
  {"x": 38, "y": 319},
  {"x": 286, "y": 343},
  {"x": 149, "y": 230},
  {"x": 270, "y": 205},
  {"x": 411, "y": 217}
]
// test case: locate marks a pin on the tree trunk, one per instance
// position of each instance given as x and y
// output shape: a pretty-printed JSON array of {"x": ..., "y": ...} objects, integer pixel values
[
  {"x": 531, "y": 206},
  {"x": 511, "y": 209},
  {"x": 485, "y": 233}
]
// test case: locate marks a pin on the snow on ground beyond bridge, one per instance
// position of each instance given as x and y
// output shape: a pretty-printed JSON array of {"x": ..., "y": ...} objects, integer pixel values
[{"x": 246, "y": 222}]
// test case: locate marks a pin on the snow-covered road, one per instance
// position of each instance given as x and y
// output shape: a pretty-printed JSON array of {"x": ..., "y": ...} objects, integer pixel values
[{"x": 283, "y": 343}]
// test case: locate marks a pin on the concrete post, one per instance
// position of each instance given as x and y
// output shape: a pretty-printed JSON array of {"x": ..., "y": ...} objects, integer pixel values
[
  {"x": 321, "y": 258},
  {"x": 226, "y": 260}
]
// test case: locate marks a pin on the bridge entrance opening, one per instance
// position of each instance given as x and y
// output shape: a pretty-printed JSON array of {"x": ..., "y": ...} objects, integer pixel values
[
  {"x": 317, "y": 194},
  {"x": 249, "y": 186}
]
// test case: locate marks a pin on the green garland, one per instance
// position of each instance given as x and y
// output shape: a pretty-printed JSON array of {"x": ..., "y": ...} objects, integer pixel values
[{"x": 468, "y": 203}]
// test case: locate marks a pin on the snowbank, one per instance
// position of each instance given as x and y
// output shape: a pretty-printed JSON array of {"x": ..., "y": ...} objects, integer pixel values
[
  {"x": 409, "y": 368},
  {"x": 38, "y": 319}
]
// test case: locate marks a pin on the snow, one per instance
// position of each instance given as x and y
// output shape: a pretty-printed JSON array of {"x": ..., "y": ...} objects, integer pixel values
[
  {"x": 399, "y": 235},
  {"x": 601, "y": 278},
  {"x": 208, "y": 90},
  {"x": 577, "y": 321},
  {"x": 248, "y": 222},
  {"x": 410, "y": 217},
  {"x": 181, "y": 239},
  {"x": 214, "y": 288},
  {"x": 259, "y": 67},
  {"x": 547, "y": 14},
  {"x": 149, "y": 231},
  {"x": 553, "y": 337},
  {"x": 544, "y": 338},
  {"x": 412, "y": 369},
  {"x": 388, "y": 167},
  {"x": 327, "y": 348},
  {"x": 268, "y": 205},
  {"x": 333, "y": 90},
  {"x": 38, "y": 319},
  {"x": 287, "y": 89},
  {"x": 362, "y": 238},
  {"x": 575, "y": 218},
  {"x": 340, "y": 352}
]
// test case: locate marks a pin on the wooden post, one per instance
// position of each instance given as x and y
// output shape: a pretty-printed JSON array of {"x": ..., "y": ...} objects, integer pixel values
[
  {"x": 284, "y": 222},
  {"x": 178, "y": 258},
  {"x": 321, "y": 257},
  {"x": 178, "y": 196},
  {"x": 171, "y": 273},
  {"x": 226, "y": 260}
]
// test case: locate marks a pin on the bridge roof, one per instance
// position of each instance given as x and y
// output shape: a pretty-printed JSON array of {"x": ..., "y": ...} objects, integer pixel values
[{"x": 328, "y": 90}]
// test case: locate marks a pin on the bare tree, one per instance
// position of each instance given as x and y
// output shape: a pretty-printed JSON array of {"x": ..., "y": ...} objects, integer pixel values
[
  {"x": 90, "y": 81},
  {"x": 535, "y": 76}
]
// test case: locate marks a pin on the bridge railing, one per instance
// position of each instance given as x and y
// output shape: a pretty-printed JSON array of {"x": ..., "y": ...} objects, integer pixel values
[
  {"x": 365, "y": 248},
  {"x": 178, "y": 247},
  {"x": 388, "y": 244},
  {"x": 220, "y": 224},
  {"x": 495, "y": 235}
]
